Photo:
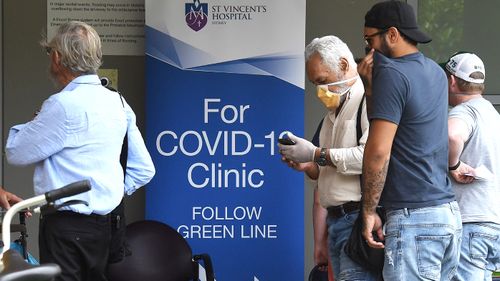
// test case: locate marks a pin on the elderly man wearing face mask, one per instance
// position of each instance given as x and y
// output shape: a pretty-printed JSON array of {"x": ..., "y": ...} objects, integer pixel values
[{"x": 336, "y": 163}]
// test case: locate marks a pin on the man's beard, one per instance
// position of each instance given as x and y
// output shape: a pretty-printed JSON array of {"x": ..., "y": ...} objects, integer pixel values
[{"x": 384, "y": 48}]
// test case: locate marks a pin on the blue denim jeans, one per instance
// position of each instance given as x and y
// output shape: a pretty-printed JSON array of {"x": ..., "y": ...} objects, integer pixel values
[
  {"x": 344, "y": 268},
  {"x": 480, "y": 253},
  {"x": 422, "y": 243}
]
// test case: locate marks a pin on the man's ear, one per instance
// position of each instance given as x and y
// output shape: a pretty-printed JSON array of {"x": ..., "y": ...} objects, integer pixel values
[
  {"x": 393, "y": 34},
  {"x": 55, "y": 57},
  {"x": 344, "y": 65},
  {"x": 453, "y": 81}
]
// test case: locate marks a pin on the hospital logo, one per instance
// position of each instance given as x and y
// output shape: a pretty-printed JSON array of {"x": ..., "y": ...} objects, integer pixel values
[{"x": 196, "y": 15}]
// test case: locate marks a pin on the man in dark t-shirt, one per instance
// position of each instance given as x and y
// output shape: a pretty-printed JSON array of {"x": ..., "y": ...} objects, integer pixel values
[{"x": 405, "y": 163}]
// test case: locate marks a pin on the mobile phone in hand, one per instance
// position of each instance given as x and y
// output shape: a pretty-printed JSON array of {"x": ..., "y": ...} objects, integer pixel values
[{"x": 286, "y": 141}]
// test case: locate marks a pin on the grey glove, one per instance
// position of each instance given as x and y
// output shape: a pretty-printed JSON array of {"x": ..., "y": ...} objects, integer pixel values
[{"x": 301, "y": 152}]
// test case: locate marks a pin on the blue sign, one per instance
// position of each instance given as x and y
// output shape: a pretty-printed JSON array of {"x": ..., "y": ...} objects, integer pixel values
[{"x": 212, "y": 131}]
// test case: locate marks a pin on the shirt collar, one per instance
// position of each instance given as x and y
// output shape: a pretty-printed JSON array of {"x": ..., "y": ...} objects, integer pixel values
[{"x": 89, "y": 79}]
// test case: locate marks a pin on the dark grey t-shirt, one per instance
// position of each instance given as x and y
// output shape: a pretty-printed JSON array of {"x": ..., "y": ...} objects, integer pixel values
[{"x": 412, "y": 92}]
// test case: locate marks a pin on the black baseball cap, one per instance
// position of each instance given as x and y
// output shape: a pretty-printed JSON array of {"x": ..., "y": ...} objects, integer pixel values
[{"x": 398, "y": 14}]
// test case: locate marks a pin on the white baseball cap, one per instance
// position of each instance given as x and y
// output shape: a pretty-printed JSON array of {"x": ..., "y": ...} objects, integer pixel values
[{"x": 462, "y": 65}]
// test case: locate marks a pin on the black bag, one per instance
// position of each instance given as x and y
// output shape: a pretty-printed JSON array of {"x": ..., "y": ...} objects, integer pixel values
[
  {"x": 318, "y": 275},
  {"x": 118, "y": 248},
  {"x": 358, "y": 250}
]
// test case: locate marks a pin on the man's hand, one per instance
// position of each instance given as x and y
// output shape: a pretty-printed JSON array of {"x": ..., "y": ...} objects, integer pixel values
[
  {"x": 321, "y": 253},
  {"x": 301, "y": 167},
  {"x": 372, "y": 223},
  {"x": 301, "y": 152},
  {"x": 7, "y": 198},
  {"x": 365, "y": 68},
  {"x": 463, "y": 174}
]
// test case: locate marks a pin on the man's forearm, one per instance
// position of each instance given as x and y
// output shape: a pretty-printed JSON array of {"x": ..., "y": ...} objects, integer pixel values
[
  {"x": 458, "y": 135},
  {"x": 376, "y": 162},
  {"x": 455, "y": 149},
  {"x": 373, "y": 185},
  {"x": 312, "y": 170}
]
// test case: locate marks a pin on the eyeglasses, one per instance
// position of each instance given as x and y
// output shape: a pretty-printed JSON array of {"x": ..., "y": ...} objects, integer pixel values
[
  {"x": 48, "y": 50},
  {"x": 368, "y": 38}
]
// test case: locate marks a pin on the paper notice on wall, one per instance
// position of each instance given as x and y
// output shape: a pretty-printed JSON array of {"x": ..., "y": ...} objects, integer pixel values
[{"x": 120, "y": 23}]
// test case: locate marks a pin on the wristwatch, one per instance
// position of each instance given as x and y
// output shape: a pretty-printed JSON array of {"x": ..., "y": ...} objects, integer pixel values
[{"x": 322, "y": 157}]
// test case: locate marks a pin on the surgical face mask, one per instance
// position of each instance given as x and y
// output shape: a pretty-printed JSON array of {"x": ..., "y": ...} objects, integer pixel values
[{"x": 330, "y": 99}]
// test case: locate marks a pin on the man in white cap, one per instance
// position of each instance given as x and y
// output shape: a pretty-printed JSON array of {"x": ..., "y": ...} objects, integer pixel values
[{"x": 474, "y": 164}]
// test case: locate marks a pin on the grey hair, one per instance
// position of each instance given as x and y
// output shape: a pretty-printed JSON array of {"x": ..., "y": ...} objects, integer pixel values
[
  {"x": 79, "y": 46},
  {"x": 331, "y": 49}
]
